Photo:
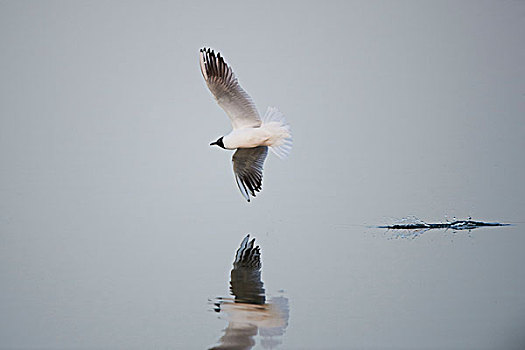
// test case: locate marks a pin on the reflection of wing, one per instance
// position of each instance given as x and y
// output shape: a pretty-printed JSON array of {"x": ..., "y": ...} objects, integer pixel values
[
  {"x": 246, "y": 284},
  {"x": 248, "y": 167},
  {"x": 248, "y": 313},
  {"x": 227, "y": 91}
]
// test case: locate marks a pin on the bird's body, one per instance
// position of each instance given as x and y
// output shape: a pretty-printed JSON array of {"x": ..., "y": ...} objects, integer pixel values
[
  {"x": 251, "y": 136},
  {"x": 247, "y": 138},
  {"x": 265, "y": 135}
]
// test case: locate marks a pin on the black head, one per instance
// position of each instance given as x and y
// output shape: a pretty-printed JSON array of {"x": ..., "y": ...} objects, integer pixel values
[{"x": 218, "y": 143}]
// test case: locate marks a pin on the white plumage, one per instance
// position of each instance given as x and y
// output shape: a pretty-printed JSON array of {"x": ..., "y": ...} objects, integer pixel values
[{"x": 250, "y": 136}]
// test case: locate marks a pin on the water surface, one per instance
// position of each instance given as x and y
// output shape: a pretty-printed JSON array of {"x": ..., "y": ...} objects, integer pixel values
[{"x": 118, "y": 222}]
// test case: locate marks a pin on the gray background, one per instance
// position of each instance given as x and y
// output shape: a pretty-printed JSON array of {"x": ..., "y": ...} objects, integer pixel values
[{"x": 118, "y": 221}]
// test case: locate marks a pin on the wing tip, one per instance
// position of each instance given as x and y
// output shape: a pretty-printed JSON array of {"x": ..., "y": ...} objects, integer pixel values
[
  {"x": 214, "y": 66},
  {"x": 202, "y": 61},
  {"x": 242, "y": 188}
]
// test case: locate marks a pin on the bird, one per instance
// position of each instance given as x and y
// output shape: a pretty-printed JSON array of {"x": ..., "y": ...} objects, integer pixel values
[{"x": 251, "y": 135}]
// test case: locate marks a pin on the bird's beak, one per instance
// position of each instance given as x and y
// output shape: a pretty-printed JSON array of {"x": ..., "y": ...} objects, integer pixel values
[{"x": 213, "y": 143}]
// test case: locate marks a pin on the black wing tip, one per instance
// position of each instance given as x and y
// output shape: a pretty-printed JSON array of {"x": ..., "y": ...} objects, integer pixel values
[
  {"x": 207, "y": 51},
  {"x": 209, "y": 56},
  {"x": 250, "y": 193},
  {"x": 251, "y": 188}
]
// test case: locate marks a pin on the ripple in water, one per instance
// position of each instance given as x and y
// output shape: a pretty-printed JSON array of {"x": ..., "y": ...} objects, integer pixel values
[{"x": 412, "y": 227}]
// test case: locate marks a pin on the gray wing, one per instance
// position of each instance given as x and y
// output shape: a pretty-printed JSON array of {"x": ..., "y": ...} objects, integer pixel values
[
  {"x": 229, "y": 94},
  {"x": 248, "y": 167}
]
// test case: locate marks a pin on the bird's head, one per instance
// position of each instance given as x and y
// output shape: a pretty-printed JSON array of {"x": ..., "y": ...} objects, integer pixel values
[{"x": 218, "y": 143}]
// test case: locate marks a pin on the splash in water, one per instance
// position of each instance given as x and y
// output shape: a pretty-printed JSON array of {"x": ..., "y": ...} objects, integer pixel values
[{"x": 412, "y": 227}]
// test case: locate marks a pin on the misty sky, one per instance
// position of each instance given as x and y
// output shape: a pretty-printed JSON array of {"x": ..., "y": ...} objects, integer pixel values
[{"x": 118, "y": 221}]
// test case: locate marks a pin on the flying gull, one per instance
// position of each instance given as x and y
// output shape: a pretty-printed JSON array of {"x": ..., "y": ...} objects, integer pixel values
[{"x": 251, "y": 136}]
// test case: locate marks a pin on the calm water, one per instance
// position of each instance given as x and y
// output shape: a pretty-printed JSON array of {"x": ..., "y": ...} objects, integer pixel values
[{"x": 119, "y": 224}]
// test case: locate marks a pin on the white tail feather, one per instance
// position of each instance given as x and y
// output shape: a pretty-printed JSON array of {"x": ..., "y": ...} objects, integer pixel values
[{"x": 282, "y": 141}]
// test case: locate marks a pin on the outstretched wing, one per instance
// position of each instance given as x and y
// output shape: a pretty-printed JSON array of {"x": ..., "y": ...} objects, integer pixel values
[
  {"x": 248, "y": 167},
  {"x": 229, "y": 94}
]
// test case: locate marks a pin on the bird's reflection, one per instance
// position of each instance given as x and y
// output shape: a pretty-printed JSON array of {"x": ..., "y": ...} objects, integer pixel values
[{"x": 248, "y": 312}]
